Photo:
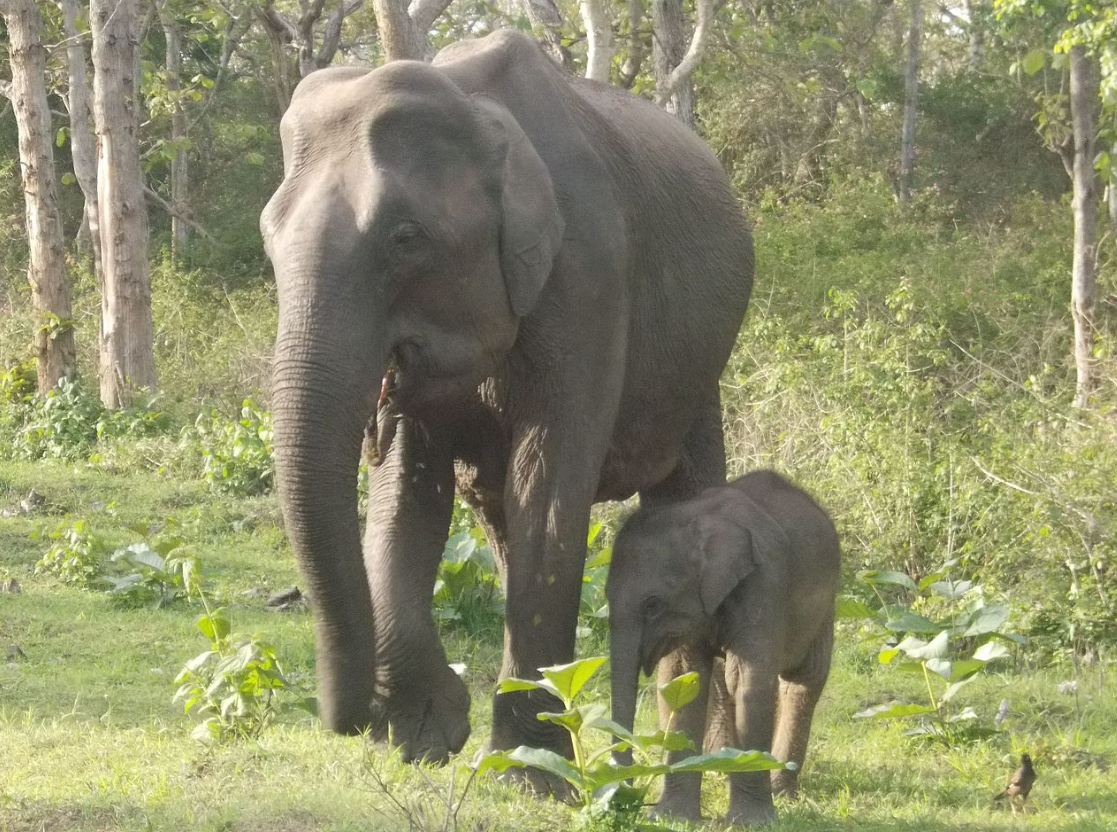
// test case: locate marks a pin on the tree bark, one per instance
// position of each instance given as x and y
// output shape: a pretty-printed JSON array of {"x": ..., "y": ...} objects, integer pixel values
[
  {"x": 180, "y": 231},
  {"x": 599, "y": 40},
  {"x": 911, "y": 102},
  {"x": 1083, "y": 97},
  {"x": 669, "y": 47},
  {"x": 83, "y": 148},
  {"x": 546, "y": 19},
  {"x": 50, "y": 292},
  {"x": 127, "y": 351},
  {"x": 977, "y": 35},
  {"x": 634, "y": 59}
]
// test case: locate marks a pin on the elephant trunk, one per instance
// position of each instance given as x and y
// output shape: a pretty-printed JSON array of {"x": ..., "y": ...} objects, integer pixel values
[
  {"x": 324, "y": 390},
  {"x": 625, "y": 666}
]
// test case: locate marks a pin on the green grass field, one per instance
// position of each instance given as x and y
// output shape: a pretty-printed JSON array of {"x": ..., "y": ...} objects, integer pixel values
[{"x": 90, "y": 739}]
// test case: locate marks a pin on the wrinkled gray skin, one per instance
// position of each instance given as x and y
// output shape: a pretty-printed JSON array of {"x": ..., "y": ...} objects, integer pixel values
[
  {"x": 745, "y": 572},
  {"x": 558, "y": 271}
]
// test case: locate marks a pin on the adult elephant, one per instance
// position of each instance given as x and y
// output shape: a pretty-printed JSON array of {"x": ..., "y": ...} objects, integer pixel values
[{"x": 515, "y": 282}]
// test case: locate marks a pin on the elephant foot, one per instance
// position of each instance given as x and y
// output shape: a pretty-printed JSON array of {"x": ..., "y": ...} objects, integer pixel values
[
  {"x": 515, "y": 724},
  {"x": 427, "y": 719},
  {"x": 785, "y": 783},
  {"x": 667, "y": 808},
  {"x": 751, "y": 814},
  {"x": 539, "y": 783}
]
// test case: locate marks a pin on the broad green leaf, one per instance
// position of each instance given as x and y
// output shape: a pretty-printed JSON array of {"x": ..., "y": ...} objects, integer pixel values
[
  {"x": 893, "y": 710},
  {"x": 909, "y": 622},
  {"x": 592, "y": 534},
  {"x": 879, "y": 576},
  {"x": 602, "y": 558},
  {"x": 964, "y": 715},
  {"x": 942, "y": 667},
  {"x": 951, "y": 590},
  {"x": 569, "y": 679},
  {"x": 954, "y": 687},
  {"x": 965, "y": 668},
  {"x": 990, "y": 650},
  {"x": 609, "y": 772},
  {"x": 68, "y": 178},
  {"x": 214, "y": 627},
  {"x": 730, "y": 759},
  {"x": 888, "y": 654},
  {"x": 573, "y": 719},
  {"x": 867, "y": 87},
  {"x": 509, "y": 685},
  {"x": 142, "y": 554},
  {"x": 680, "y": 691},
  {"x": 853, "y": 608},
  {"x": 1034, "y": 61},
  {"x": 986, "y": 619},
  {"x": 525, "y": 757},
  {"x": 936, "y": 648}
]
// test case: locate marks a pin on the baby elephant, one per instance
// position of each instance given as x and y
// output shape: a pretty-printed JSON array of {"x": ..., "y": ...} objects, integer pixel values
[{"x": 747, "y": 571}]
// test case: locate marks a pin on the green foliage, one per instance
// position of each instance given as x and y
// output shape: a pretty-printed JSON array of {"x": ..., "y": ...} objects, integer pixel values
[
  {"x": 608, "y": 800},
  {"x": 237, "y": 453},
  {"x": 234, "y": 684},
  {"x": 467, "y": 590},
  {"x": 76, "y": 555},
  {"x": 18, "y": 382},
  {"x": 69, "y": 421},
  {"x": 964, "y": 635},
  {"x": 157, "y": 573}
]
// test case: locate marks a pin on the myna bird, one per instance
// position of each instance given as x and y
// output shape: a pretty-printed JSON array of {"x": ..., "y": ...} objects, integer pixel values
[{"x": 1020, "y": 784}]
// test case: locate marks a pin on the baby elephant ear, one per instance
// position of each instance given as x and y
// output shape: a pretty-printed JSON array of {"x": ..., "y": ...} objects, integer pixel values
[
  {"x": 725, "y": 559},
  {"x": 531, "y": 225}
]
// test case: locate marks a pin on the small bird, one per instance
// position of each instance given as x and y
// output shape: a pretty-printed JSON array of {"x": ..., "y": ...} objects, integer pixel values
[{"x": 1020, "y": 784}]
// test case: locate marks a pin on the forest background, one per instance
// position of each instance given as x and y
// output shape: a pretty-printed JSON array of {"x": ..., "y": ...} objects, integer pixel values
[{"x": 930, "y": 350}]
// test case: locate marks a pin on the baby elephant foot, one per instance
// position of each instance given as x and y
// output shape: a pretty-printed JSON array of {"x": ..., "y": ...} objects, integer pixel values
[{"x": 785, "y": 783}]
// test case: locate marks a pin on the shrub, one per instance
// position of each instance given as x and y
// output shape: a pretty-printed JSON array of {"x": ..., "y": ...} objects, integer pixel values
[
  {"x": 75, "y": 557},
  {"x": 236, "y": 453},
  {"x": 158, "y": 573}
]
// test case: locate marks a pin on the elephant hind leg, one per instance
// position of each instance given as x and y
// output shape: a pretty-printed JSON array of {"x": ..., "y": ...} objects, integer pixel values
[
  {"x": 702, "y": 461},
  {"x": 799, "y": 694}
]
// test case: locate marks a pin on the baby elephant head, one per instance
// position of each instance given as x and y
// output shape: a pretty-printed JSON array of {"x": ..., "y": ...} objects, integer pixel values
[{"x": 671, "y": 570}]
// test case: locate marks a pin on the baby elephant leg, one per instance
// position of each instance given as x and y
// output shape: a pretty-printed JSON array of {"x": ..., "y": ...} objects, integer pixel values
[
  {"x": 799, "y": 693},
  {"x": 721, "y": 727},
  {"x": 682, "y": 793},
  {"x": 753, "y": 686}
]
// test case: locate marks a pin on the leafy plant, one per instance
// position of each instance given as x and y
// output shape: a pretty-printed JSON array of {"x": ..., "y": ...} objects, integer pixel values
[
  {"x": 75, "y": 557},
  {"x": 598, "y": 781},
  {"x": 237, "y": 453},
  {"x": 965, "y": 636},
  {"x": 593, "y": 611},
  {"x": 234, "y": 684},
  {"x": 467, "y": 589},
  {"x": 17, "y": 381},
  {"x": 160, "y": 573}
]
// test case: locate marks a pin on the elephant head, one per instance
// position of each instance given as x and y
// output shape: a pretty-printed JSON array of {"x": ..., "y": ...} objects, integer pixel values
[
  {"x": 414, "y": 228},
  {"x": 672, "y": 568}
]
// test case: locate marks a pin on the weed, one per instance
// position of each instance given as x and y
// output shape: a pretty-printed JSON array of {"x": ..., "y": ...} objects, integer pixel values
[
  {"x": 237, "y": 453},
  {"x": 160, "y": 572},
  {"x": 75, "y": 557}
]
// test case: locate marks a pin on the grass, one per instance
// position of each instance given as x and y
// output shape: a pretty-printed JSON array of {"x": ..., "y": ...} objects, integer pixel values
[{"x": 90, "y": 740}]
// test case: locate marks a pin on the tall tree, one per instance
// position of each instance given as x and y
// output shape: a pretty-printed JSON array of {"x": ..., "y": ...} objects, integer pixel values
[
  {"x": 547, "y": 20},
  {"x": 180, "y": 230},
  {"x": 599, "y": 39},
  {"x": 127, "y": 349},
  {"x": 50, "y": 292},
  {"x": 83, "y": 147},
  {"x": 911, "y": 101},
  {"x": 1083, "y": 100},
  {"x": 674, "y": 58},
  {"x": 404, "y": 27}
]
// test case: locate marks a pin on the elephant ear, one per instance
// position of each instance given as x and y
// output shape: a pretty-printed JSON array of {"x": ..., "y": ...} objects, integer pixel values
[
  {"x": 531, "y": 226},
  {"x": 725, "y": 558}
]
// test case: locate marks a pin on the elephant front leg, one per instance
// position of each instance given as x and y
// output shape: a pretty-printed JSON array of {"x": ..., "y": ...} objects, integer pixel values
[
  {"x": 546, "y": 513},
  {"x": 682, "y": 793},
  {"x": 753, "y": 685},
  {"x": 418, "y": 701}
]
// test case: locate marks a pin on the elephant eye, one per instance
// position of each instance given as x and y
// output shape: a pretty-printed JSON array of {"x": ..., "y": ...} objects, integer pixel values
[
  {"x": 653, "y": 606},
  {"x": 407, "y": 238}
]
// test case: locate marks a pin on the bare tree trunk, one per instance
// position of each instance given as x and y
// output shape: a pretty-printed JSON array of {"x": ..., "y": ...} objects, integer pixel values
[
  {"x": 404, "y": 28},
  {"x": 599, "y": 37},
  {"x": 977, "y": 35},
  {"x": 1111, "y": 189},
  {"x": 180, "y": 231},
  {"x": 50, "y": 293},
  {"x": 83, "y": 149},
  {"x": 911, "y": 102},
  {"x": 546, "y": 18},
  {"x": 634, "y": 59},
  {"x": 669, "y": 47},
  {"x": 1083, "y": 97},
  {"x": 127, "y": 352}
]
